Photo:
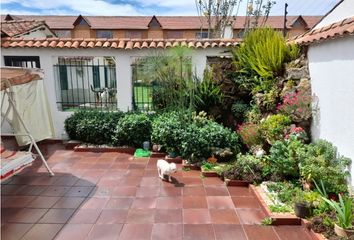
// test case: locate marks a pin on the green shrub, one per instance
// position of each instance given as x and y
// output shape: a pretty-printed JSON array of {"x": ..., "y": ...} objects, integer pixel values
[
  {"x": 92, "y": 126},
  {"x": 167, "y": 130},
  {"x": 322, "y": 162},
  {"x": 247, "y": 168},
  {"x": 207, "y": 93},
  {"x": 239, "y": 109},
  {"x": 132, "y": 130},
  {"x": 200, "y": 138},
  {"x": 263, "y": 51},
  {"x": 284, "y": 158},
  {"x": 274, "y": 127}
]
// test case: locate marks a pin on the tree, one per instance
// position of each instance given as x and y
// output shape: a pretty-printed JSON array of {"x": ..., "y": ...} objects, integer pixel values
[{"x": 221, "y": 13}]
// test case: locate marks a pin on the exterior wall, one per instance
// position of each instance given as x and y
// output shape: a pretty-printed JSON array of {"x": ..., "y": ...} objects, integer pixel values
[
  {"x": 189, "y": 34},
  {"x": 118, "y": 34},
  {"x": 38, "y": 34},
  {"x": 342, "y": 11},
  {"x": 296, "y": 31},
  {"x": 331, "y": 66},
  {"x": 155, "y": 33},
  {"x": 123, "y": 58},
  {"x": 83, "y": 31}
]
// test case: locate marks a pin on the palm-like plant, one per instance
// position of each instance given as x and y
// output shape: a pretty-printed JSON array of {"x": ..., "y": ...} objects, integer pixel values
[{"x": 344, "y": 211}]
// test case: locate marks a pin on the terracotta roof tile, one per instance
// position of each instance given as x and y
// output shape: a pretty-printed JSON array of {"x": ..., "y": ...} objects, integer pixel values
[
  {"x": 167, "y": 22},
  {"x": 334, "y": 30},
  {"x": 115, "y": 43},
  {"x": 17, "y": 27}
]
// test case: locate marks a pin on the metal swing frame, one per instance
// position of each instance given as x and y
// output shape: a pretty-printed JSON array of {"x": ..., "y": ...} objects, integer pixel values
[{"x": 8, "y": 91}]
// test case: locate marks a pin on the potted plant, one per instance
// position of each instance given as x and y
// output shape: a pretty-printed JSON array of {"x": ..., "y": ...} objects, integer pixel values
[
  {"x": 345, "y": 216},
  {"x": 302, "y": 207}
]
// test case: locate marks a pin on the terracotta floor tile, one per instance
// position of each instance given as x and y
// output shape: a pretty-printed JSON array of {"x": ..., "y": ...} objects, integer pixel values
[
  {"x": 85, "y": 216},
  {"x": 194, "y": 202},
  {"x": 32, "y": 190},
  {"x": 150, "y": 181},
  {"x": 223, "y": 216},
  {"x": 198, "y": 232},
  {"x": 105, "y": 232},
  {"x": 134, "y": 173},
  {"x": 43, "y": 202},
  {"x": 250, "y": 216},
  {"x": 194, "y": 191},
  {"x": 79, "y": 191},
  {"x": 102, "y": 191},
  {"x": 141, "y": 216},
  {"x": 94, "y": 203},
  {"x": 10, "y": 190},
  {"x": 216, "y": 191},
  {"x": 130, "y": 182},
  {"x": 239, "y": 191},
  {"x": 148, "y": 192},
  {"x": 246, "y": 202},
  {"x": 170, "y": 191},
  {"x": 45, "y": 180},
  {"x": 220, "y": 202},
  {"x": 66, "y": 181},
  {"x": 292, "y": 233},
  {"x": 124, "y": 191},
  {"x": 229, "y": 232},
  {"x": 8, "y": 213},
  {"x": 119, "y": 203},
  {"x": 213, "y": 181},
  {"x": 136, "y": 165},
  {"x": 14, "y": 231},
  {"x": 57, "y": 216},
  {"x": 27, "y": 215},
  {"x": 258, "y": 232},
  {"x": 113, "y": 216},
  {"x": 144, "y": 203},
  {"x": 109, "y": 182},
  {"x": 169, "y": 203},
  {"x": 168, "y": 216},
  {"x": 55, "y": 191},
  {"x": 167, "y": 231},
  {"x": 87, "y": 182},
  {"x": 191, "y": 174},
  {"x": 69, "y": 202},
  {"x": 43, "y": 232},
  {"x": 16, "y": 201},
  {"x": 74, "y": 231},
  {"x": 150, "y": 173},
  {"x": 136, "y": 232},
  {"x": 196, "y": 216},
  {"x": 191, "y": 181}
]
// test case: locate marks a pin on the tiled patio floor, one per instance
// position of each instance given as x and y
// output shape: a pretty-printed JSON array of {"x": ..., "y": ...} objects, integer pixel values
[{"x": 113, "y": 196}]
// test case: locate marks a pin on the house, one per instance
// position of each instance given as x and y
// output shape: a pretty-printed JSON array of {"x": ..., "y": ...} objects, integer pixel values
[
  {"x": 331, "y": 65},
  {"x": 26, "y": 29},
  {"x": 167, "y": 27}
]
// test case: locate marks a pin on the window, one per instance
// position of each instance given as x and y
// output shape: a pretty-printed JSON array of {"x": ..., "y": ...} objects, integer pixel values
[
  {"x": 96, "y": 76},
  {"x": 22, "y": 61},
  {"x": 63, "y": 33},
  {"x": 175, "y": 34},
  {"x": 133, "y": 34},
  {"x": 63, "y": 77},
  {"x": 201, "y": 34},
  {"x": 104, "y": 34}
]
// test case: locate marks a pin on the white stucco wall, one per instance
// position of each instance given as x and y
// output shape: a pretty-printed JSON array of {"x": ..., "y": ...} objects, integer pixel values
[
  {"x": 331, "y": 66},
  {"x": 123, "y": 59},
  {"x": 342, "y": 11}
]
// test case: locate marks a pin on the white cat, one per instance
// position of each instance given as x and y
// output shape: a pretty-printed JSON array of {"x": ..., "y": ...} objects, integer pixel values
[{"x": 165, "y": 168}]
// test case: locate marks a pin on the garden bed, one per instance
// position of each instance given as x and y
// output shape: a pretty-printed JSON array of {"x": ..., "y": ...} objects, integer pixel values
[
  {"x": 209, "y": 173},
  {"x": 190, "y": 166},
  {"x": 278, "y": 218},
  {"x": 238, "y": 183},
  {"x": 103, "y": 148},
  {"x": 177, "y": 160}
]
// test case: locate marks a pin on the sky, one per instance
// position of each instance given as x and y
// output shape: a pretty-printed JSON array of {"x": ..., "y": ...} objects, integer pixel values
[{"x": 147, "y": 7}]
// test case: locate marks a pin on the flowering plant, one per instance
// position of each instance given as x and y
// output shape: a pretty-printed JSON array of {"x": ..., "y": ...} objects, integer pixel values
[
  {"x": 297, "y": 105},
  {"x": 298, "y": 132},
  {"x": 250, "y": 134}
]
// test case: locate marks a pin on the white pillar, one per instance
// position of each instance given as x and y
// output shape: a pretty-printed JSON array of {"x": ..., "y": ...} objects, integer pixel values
[
  {"x": 124, "y": 82},
  {"x": 199, "y": 62}
]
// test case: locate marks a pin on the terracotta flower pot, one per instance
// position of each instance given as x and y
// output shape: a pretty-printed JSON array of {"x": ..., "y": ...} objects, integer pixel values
[{"x": 347, "y": 233}]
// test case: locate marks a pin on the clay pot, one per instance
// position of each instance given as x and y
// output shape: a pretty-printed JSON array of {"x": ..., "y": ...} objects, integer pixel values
[
  {"x": 347, "y": 233},
  {"x": 302, "y": 209}
]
